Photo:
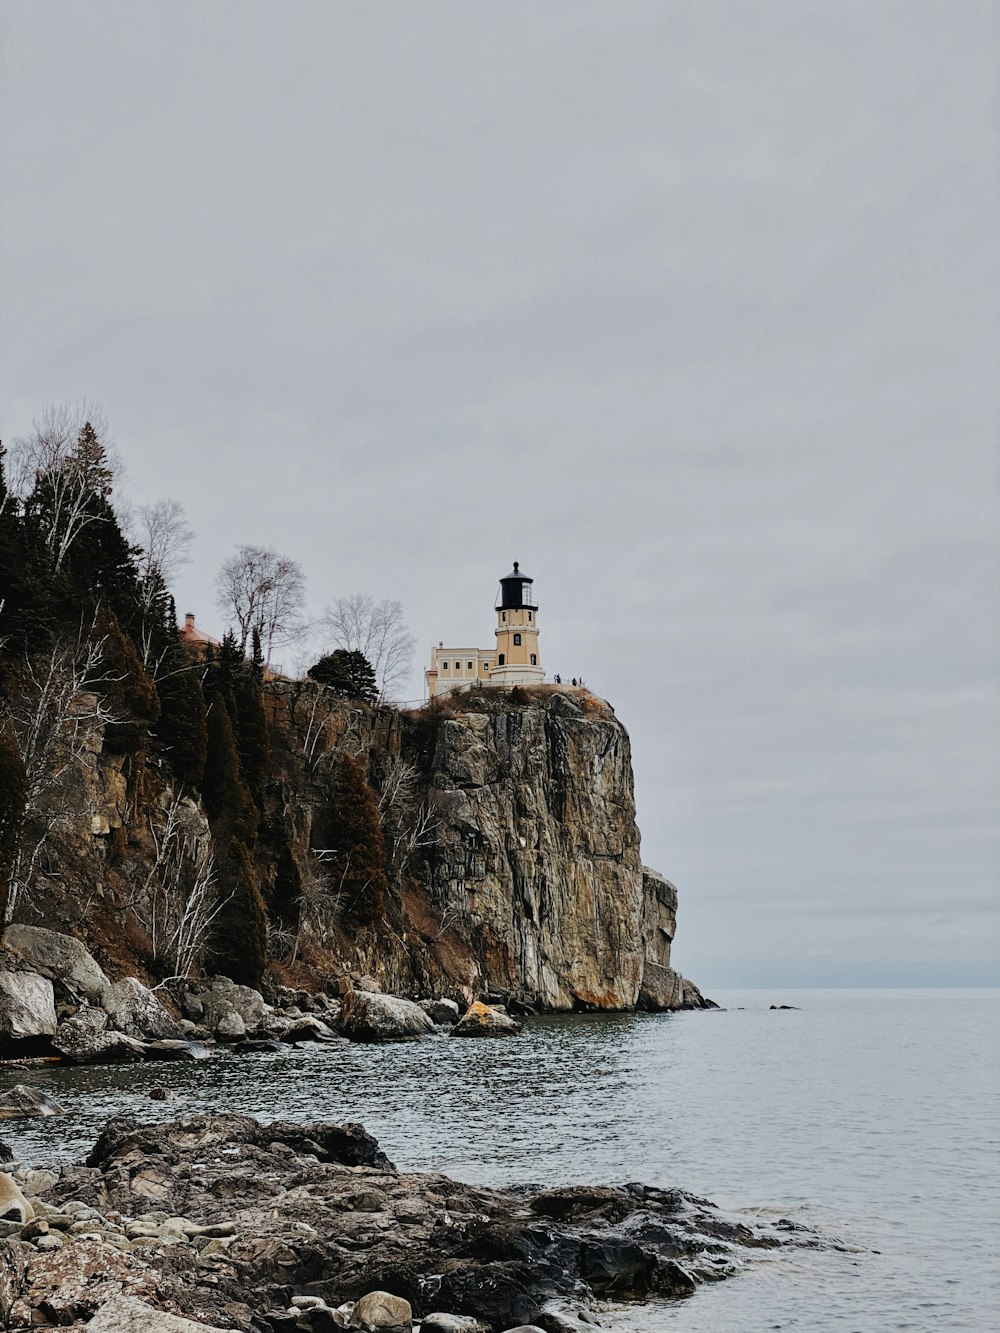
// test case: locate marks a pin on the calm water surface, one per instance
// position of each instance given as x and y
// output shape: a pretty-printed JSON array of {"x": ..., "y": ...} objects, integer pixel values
[{"x": 873, "y": 1116}]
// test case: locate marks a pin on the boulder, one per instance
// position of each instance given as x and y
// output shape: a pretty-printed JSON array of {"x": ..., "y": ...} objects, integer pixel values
[
  {"x": 307, "y": 1028},
  {"x": 368, "y": 1016},
  {"x": 380, "y": 1309},
  {"x": 60, "y": 958},
  {"x": 14, "y": 1207},
  {"x": 481, "y": 1020},
  {"x": 7, "y": 1153},
  {"x": 224, "y": 995},
  {"x": 230, "y": 1026},
  {"x": 27, "y": 1006},
  {"x": 85, "y": 1039},
  {"x": 20, "y": 1101},
  {"x": 136, "y": 1010},
  {"x": 444, "y": 1013},
  {"x": 125, "y": 1314}
]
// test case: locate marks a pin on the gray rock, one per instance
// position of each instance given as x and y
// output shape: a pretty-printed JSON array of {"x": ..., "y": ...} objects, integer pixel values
[
  {"x": 370, "y": 1017},
  {"x": 230, "y": 1026},
  {"x": 125, "y": 1314},
  {"x": 20, "y": 1100},
  {"x": 136, "y": 1010},
  {"x": 85, "y": 1039},
  {"x": 442, "y": 1012},
  {"x": 307, "y": 1028},
  {"x": 482, "y": 1020},
  {"x": 60, "y": 958},
  {"x": 224, "y": 995},
  {"x": 40, "y": 1181},
  {"x": 27, "y": 1006},
  {"x": 451, "y": 1323},
  {"x": 172, "y": 1048},
  {"x": 380, "y": 1309}
]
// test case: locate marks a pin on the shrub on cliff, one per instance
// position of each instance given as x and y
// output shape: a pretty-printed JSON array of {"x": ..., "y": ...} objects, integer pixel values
[{"x": 356, "y": 862}]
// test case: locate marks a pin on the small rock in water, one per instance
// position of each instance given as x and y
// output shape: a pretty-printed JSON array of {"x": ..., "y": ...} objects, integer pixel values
[{"x": 161, "y": 1094}]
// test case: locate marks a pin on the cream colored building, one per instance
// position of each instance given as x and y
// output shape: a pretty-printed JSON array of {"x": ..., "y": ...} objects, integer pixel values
[{"x": 513, "y": 660}]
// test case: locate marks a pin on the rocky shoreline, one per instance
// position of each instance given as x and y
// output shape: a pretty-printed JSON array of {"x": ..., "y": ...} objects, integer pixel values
[
  {"x": 56, "y": 1002},
  {"x": 288, "y": 1228}
]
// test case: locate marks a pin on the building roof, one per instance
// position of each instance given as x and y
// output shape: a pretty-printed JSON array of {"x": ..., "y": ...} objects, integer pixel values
[{"x": 516, "y": 573}]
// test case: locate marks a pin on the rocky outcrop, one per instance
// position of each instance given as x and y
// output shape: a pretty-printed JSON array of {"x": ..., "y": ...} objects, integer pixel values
[
  {"x": 288, "y": 1228},
  {"x": 662, "y": 987}
]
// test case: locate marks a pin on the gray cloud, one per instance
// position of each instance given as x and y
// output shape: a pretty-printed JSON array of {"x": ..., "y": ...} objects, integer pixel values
[{"x": 692, "y": 308}]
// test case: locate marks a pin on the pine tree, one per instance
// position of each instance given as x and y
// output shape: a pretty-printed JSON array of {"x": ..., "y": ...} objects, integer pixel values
[
  {"x": 240, "y": 936},
  {"x": 287, "y": 889},
  {"x": 127, "y": 689},
  {"x": 229, "y": 804},
  {"x": 356, "y": 864},
  {"x": 13, "y": 795}
]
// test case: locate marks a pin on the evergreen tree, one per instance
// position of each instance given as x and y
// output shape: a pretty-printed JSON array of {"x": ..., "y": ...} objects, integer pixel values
[
  {"x": 127, "y": 689},
  {"x": 240, "y": 936},
  {"x": 287, "y": 883},
  {"x": 13, "y": 796},
  {"x": 229, "y": 804},
  {"x": 356, "y": 864},
  {"x": 253, "y": 742},
  {"x": 183, "y": 724},
  {"x": 346, "y": 673}
]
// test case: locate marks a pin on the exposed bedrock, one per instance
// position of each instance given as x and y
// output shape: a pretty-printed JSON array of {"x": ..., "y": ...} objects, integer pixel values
[{"x": 243, "y": 1225}]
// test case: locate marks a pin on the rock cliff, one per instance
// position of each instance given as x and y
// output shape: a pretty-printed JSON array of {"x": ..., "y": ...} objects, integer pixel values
[{"x": 512, "y": 852}]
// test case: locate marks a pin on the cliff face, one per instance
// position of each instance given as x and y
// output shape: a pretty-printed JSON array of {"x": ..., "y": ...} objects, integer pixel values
[
  {"x": 538, "y": 853},
  {"x": 511, "y": 843}
]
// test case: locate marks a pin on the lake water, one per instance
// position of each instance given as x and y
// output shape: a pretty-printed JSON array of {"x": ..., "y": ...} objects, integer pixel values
[{"x": 873, "y": 1116}]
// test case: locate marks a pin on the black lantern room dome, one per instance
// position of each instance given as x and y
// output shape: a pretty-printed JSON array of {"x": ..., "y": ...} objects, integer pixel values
[{"x": 515, "y": 591}]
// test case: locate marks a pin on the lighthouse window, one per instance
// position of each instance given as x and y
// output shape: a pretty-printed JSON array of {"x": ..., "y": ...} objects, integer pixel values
[
  {"x": 501, "y": 659},
  {"x": 469, "y": 664},
  {"x": 517, "y": 640},
  {"x": 529, "y": 617},
  {"x": 503, "y": 616},
  {"x": 534, "y": 659},
  {"x": 444, "y": 665}
]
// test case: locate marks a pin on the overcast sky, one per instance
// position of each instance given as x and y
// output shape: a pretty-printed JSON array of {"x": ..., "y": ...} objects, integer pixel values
[{"x": 690, "y": 307}]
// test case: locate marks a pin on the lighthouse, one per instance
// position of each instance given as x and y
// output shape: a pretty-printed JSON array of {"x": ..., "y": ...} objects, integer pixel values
[
  {"x": 514, "y": 659},
  {"x": 517, "y": 658}
]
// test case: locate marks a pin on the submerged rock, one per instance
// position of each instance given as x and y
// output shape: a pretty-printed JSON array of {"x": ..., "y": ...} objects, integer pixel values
[{"x": 370, "y": 1017}]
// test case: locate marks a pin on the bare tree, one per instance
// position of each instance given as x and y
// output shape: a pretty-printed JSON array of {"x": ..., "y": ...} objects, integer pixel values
[
  {"x": 65, "y": 461},
  {"x": 264, "y": 591},
  {"x": 408, "y": 822},
  {"x": 51, "y": 714},
  {"x": 163, "y": 532},
  {"x": 360, "y": 624},
  {"x": 177, "y": 902}
]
